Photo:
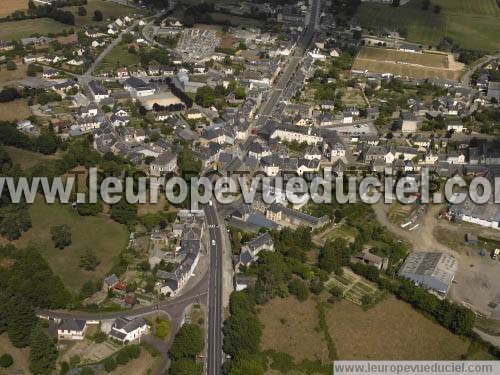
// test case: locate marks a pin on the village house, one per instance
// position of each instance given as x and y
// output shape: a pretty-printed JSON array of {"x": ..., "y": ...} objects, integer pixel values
[
  {"x": 127, "y": 330},
  {"x": 250, "y": 251},
  {"x": 164, "y": 163},
  {"x": 71, "y": 329},
  {"x": 297, "y": 133}
]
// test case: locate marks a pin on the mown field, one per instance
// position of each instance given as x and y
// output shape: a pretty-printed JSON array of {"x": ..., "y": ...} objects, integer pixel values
[
  {"x": 27, "y": 159},
  {"x": 433, "y": 60},
  {"x": 20, "y": 356},
  {"x": 473, "y": 24},
  {"x": 119, "y": 57},
  {"x": 9, "y": 6},
  {"x": 23, "y": 29},
  {"x": 109, "y": 9},
  {"x": 289, "y": 327},
  {"x": 104, "y": 236},
  {"x": 384, "y": 332},
  {"x": 15, "y": 110},
  {"x": 381, "y": 332},
  {"x": 417, "y": 65}
]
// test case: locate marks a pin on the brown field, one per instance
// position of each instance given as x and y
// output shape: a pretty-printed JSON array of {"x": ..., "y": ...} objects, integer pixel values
[
  {"x": 13, "y": 111},
  {"x": 12, "y": 77},
  {"x": 289, "y": 327},
  {"x": 9, "y": 6},
  {"x": 145, "y": 364},
  {"x": 434, "y": 60},
  {"x": 384, "y": 332},
  {"x": 407, "y": 64},
  {"x": 20, "y": 356},
  {"x": 228, "y": 42}
]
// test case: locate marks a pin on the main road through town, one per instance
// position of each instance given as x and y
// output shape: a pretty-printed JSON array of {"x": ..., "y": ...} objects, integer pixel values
[{"x": 215, "y": 292}]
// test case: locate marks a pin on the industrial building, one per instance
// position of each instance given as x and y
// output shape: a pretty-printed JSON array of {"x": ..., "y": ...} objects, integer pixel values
[{"x": 430, "y": 270}]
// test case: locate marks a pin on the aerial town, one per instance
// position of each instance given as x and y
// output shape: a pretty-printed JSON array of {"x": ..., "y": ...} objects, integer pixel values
[{"x": 177, "y": 88}]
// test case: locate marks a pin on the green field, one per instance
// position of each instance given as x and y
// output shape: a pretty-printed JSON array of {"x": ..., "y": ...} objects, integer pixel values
[
  {"x": 119, "y": 57},
  {"x": 109, "y": 9},
  {"x": 104, "y": 236},
  {"x": 473, "y": 24},
  {"x": 27, "y": 159},
  {"x": 23, "y": 29}
]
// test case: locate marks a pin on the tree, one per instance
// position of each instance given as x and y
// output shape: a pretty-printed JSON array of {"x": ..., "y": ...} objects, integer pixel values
[
  {"x": 316, "y": 285},
  {"x": 82, "y": 12},
  {"x": 6, "y": 360},
  {"x": 205, "y": 96},
  {"x": 242, "y": 332},
  {"x": 110, "y": 364},
  {"x": 61, "y": 236},
  {"x": 21, "y": 319},
  {"x": 43, "y": 354},
  {"x": 122, "y": 358},
  {"x": 98, "y": 17},
  {"x": 89, "y": 209},
  {"x": 11, "y": 65},
  {"x": 89, "y": 261},
  {"x": 188, "y": 342},
  {"x": 123, "y": 212},
  {"x": 426, "y": 4},
  {"x": 437, "y": 9},
  {"x": 185, "y": 367},
  {"x": 33, "y": 69},
  {"x": 245, "y": 365},
  {"x": 299, "y": 289}
]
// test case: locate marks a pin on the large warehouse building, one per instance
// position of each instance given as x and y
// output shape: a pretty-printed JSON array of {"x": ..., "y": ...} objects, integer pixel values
[{"x": 430, "y": 270}]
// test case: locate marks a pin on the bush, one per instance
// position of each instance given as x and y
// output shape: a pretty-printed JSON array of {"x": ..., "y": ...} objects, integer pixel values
[
  {"x": 110, "y": 364},
  {"x": 122, "y": 357},
  {"x": 299, "y": 289},
  {"x": 11, "y": 65},
  {"x": 134, "y": 351},
  {"x": 6, "y": 360},
  {"x": 98, "y": 17}
]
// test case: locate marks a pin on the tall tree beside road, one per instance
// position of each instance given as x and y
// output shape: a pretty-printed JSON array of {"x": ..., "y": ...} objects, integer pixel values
[
  {"x": 43, "y": 352},
  {"x": 188, "y": 342}
]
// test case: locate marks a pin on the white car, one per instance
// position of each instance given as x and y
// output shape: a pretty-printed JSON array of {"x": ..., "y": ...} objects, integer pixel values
[{"x": 213, "y": 242}]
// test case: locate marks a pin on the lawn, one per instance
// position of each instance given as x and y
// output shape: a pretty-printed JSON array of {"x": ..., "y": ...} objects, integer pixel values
[
  {"x": 20, "y": 356},
  {"x": 15, "y": 110},
  {"x": 119, "y": 57},
  {"x": 23, "y": 29},
  {"x": 418, "y": 65},
  {"x": 27, "y": 159},
  {"x": 109, "y": 9},
  {"x": 104, "y": 236},
  {"x": 9, "y": 6},
  {"x": 474, "y": 24},
  {"x": 384, "y": 332},
  {"x": 145, "y": 364},
  {"x": 289, "y": 327},
  {"x": 236, "y": 20}
]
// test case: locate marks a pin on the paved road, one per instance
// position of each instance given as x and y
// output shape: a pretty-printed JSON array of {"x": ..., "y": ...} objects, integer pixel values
[
  {"x": 215, "y": 291},
  {"x": 293, "y": 63},
  {"x": 482, "y": 62}
]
